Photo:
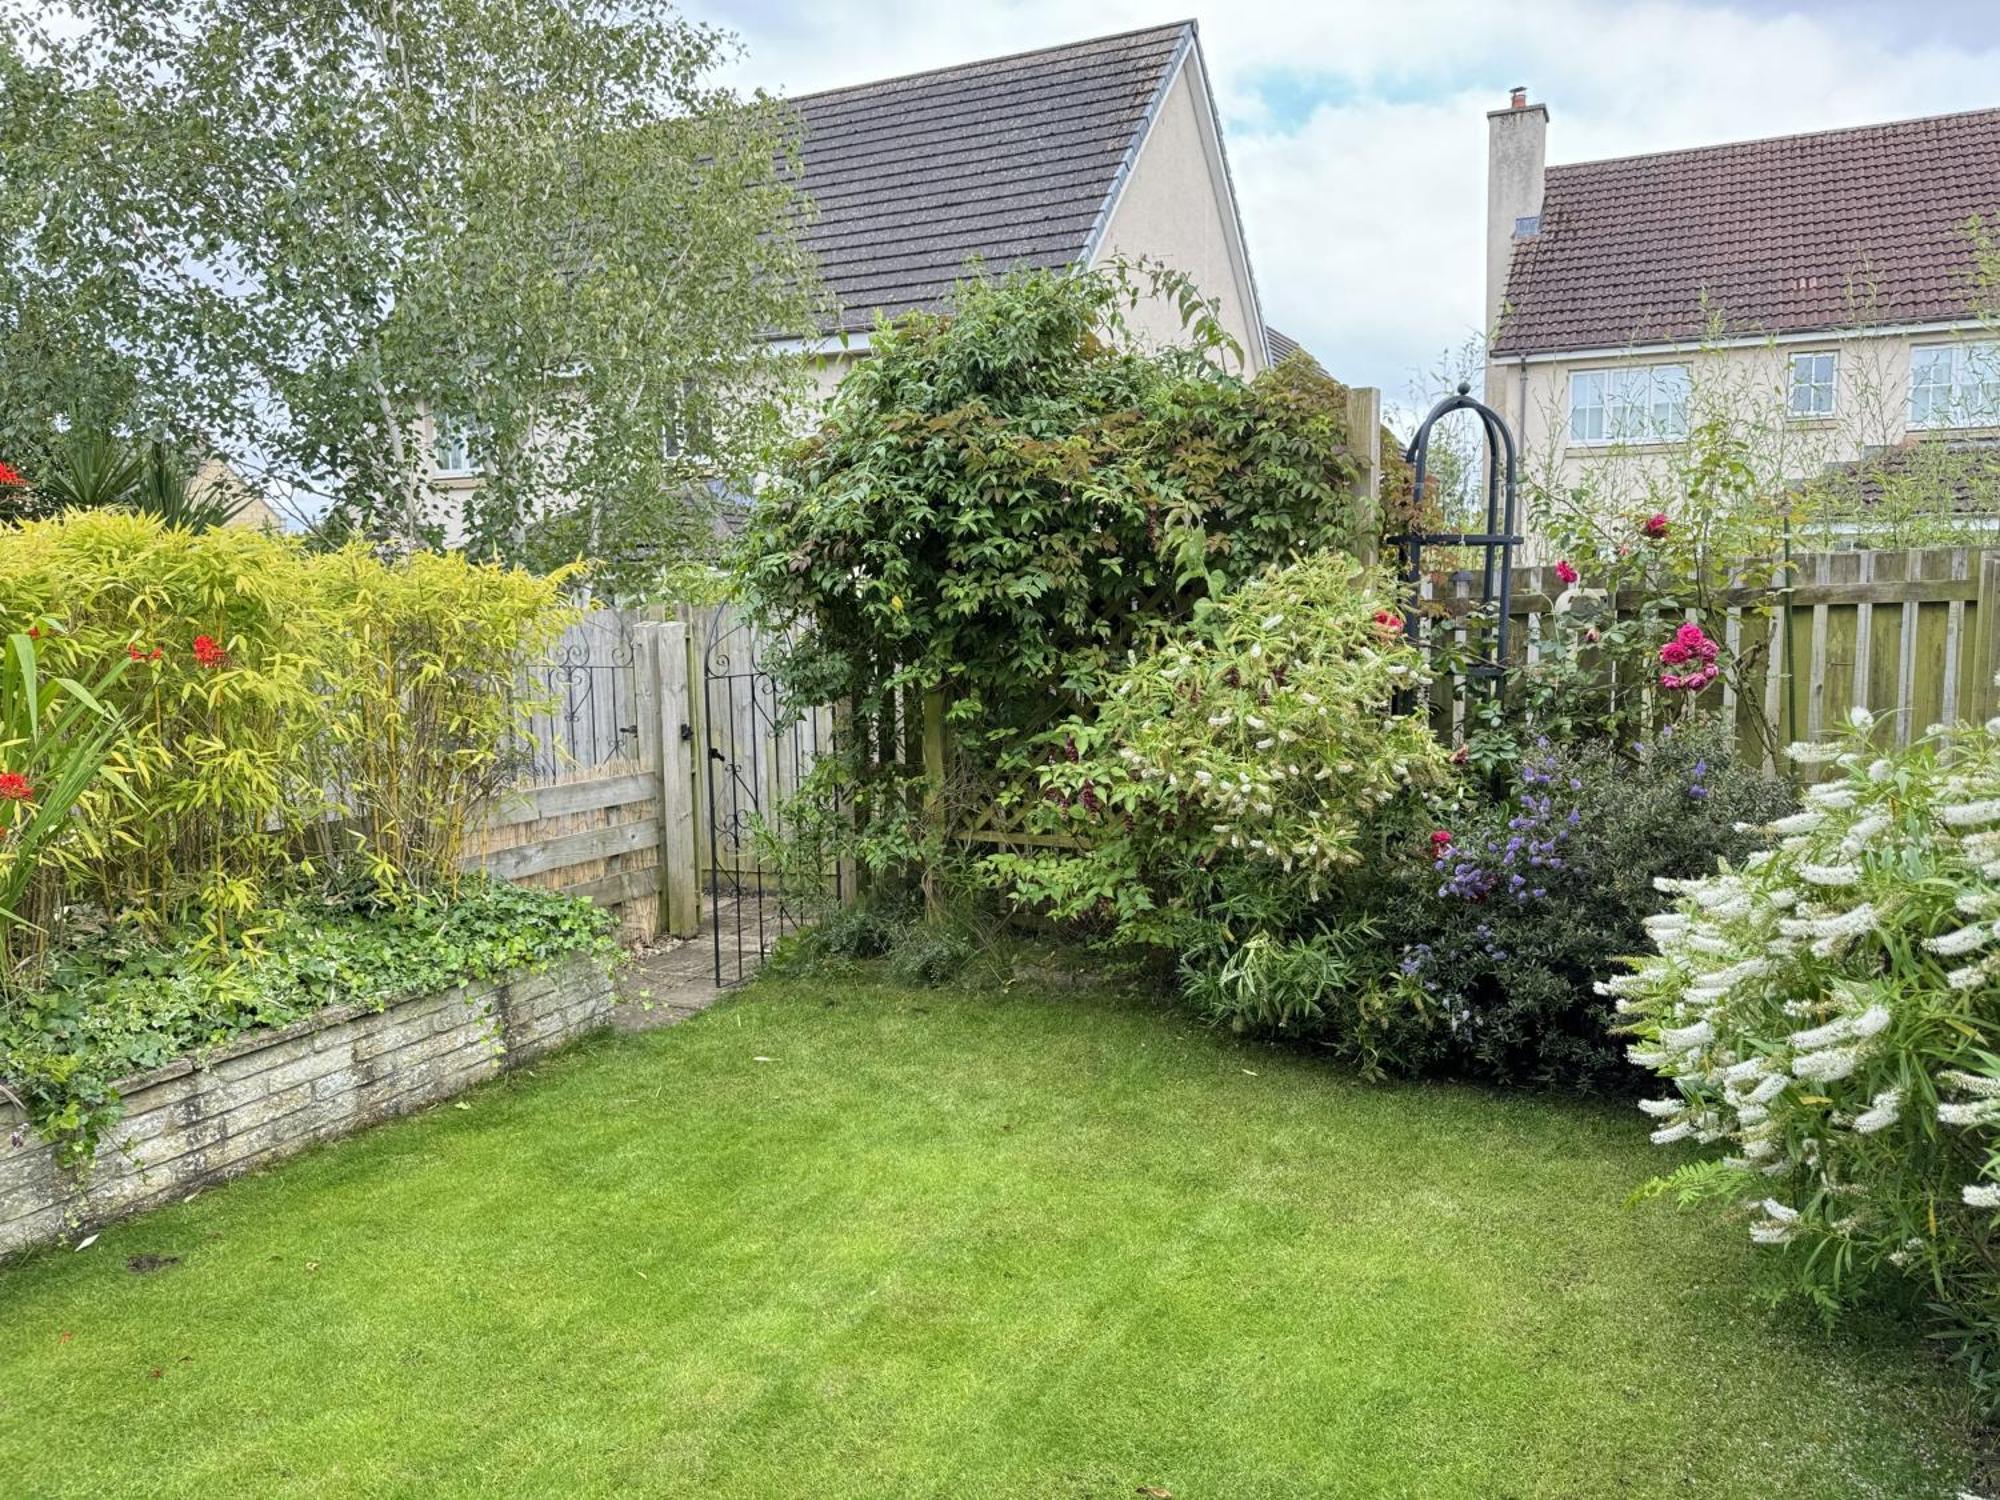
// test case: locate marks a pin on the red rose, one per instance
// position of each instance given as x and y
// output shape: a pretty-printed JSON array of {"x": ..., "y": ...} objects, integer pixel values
[
  {"x": 1565, "y": 572},
  {"x": 1655, "y": 525}
]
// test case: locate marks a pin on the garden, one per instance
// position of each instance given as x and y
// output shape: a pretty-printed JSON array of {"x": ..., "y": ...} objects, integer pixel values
[
  {"x": 1267, "y": 1049},
  {"x": 1262, "y": 1053},
  {"x": 1255, "y": 1033}
]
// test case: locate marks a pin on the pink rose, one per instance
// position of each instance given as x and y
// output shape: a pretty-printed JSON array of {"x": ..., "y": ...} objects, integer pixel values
[{"x": 1565, "y": 572}]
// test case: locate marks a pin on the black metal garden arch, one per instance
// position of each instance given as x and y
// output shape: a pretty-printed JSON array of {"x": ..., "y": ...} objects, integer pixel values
[{"x": 1498, "y": 540}]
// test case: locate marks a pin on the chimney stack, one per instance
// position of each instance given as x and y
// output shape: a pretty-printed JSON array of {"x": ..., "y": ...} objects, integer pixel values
[{"x": 1516, "y": 153}]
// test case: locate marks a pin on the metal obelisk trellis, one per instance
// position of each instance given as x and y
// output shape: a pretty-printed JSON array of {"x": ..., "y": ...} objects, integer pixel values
[{"x": 1498, "y": 539}]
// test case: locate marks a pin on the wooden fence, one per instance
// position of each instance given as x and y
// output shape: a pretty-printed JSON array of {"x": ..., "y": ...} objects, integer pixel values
[
  {"x": 1910, "y": 636},
  {"x": 656, "y": 718},
  {"x": 605, "y": 808}
]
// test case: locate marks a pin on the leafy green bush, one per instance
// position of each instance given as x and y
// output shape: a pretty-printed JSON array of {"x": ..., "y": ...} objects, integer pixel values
[
  {"x": 1002, "y": 501},
  {"x": 1829, "y": 1011},
  {"x": 121, "y": 1000},
  {"x": 931, "y": 953},
  {"x": 1506, "y": 918},
  {"x": 263, "y": 690},
  {"x": 1231, "y": 783}
]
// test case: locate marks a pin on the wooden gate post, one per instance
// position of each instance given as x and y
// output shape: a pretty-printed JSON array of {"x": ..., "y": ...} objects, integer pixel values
[
  {"x": 1364, "y": 441},
  {"x": 663, "y": 709}
]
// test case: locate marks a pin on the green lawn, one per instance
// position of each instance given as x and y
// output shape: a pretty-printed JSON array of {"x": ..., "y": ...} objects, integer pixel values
[{"x": 842, "y": 1241}]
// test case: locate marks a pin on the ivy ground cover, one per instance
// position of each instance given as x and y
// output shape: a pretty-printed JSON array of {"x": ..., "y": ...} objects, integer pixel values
[{"x": 842, "y": 1240}]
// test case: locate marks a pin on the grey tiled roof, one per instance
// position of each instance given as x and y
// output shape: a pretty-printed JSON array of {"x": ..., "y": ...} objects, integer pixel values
[
  {"x": 1283, "y": 345},
  {"x": 1804, "y": 232},
  {"x": 1013, "y": 161}
]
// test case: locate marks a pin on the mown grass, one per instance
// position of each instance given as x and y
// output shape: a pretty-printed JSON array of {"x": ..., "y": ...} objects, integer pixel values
[{"x": 843, "y": 1240}]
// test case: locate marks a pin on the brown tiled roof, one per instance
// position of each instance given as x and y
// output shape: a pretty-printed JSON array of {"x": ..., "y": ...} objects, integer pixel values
[
  {"x": 1962, "y": 475},
  {"x": 1012, "y": 161},
  {"x": 1803, "y": 232}
]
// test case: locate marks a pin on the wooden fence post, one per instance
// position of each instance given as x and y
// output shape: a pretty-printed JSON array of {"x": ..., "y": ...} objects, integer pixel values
[
  {"x": 1985, "y": 640},
  {"x": 680, "y": 886},
  {"x": 667, "y": 743},
  {"x": 1364, "y": 440},
  {"x": 652, "y": 753}
]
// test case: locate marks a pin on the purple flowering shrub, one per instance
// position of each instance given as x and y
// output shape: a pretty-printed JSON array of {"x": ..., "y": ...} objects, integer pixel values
[{"x": 1499, "y": 938}]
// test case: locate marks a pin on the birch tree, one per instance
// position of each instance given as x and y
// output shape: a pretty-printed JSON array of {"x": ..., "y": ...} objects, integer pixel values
[{"x": 307, "y": 234}]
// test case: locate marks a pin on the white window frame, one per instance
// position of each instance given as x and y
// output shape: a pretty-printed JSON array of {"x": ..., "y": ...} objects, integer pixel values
[
  {"x": 1822, "y": 395},
  {"x": 451, "y": 448},
  {"x": 1955, "y": 384},
  {"x": 1628, "y": 404}
]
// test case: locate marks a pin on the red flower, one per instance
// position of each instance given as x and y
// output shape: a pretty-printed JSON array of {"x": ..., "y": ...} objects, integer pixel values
[
  {"x": 208, "y": 654},
  {"x": 1566, "y": 572},
  {"x": 34, "y": 632},
  {"x": 14, "y": 787},
  {"x": 1388, "y": 621},
  {"x": 1690, "y": 648},
  {"x": 1690, "y": 644},
  {"x": 140, "y": 653},
  {"x": 1440, "y": 840},
  {"x": 1655, "y": 525},
  {"x": 10, "y": 476}
]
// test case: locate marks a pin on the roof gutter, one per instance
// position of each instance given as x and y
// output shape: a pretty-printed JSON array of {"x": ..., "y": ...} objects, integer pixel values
[{"x": 1739, "y": 341}]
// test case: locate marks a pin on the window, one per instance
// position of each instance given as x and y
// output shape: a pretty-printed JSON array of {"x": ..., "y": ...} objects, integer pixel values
[
  {"x": 453, "y": 448},
  {"x": 1955, "y": 385},
  {"x": 1639, "y": 404},
  {"x": 1812, "y": 384}
]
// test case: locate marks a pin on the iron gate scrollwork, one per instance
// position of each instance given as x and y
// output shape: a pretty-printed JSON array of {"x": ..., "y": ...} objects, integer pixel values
[
  {"x": 1497, "y": 541},
  {"x": 587, "y": 709},
  {"x": 757, "y": 749}
]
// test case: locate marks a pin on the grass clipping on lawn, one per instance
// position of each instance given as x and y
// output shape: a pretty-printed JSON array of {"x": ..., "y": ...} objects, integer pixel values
[{"x": 841, "y": 1240}]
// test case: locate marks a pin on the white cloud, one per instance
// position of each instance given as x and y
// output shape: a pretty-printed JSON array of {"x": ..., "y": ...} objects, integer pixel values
[{"x": 1365, "y": 210}]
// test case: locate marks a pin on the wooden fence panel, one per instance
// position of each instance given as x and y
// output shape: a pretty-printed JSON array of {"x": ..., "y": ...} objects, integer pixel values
[{"x": 1913, "y": 636}]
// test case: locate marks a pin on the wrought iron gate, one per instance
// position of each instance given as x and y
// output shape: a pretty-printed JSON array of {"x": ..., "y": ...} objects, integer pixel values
[{"x": 756, "y": 751}]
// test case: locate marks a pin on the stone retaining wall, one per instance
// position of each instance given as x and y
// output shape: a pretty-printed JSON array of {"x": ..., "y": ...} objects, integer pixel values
[{"x": 271, "y": 1093}]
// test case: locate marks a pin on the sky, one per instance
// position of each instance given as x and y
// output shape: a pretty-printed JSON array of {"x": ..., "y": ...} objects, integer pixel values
[{"x": 1356, "y": 129}]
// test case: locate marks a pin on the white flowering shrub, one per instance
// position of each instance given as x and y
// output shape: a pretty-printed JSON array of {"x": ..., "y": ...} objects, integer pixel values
[
  {"x": 1829, "y": 1016},
  {"x": 1228, "y": 783}
]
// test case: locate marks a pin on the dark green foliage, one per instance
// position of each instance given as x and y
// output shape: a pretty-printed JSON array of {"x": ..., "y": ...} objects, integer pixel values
[
  {"x": 120, "y": 1000},
  {"x": 1004, "y": 499},
  {"x": 88, "y": 470},
  {"x": 1505, "y": 947},
  {"x": 1001, "y": 497},
  {"x": 931, "y": 953}
]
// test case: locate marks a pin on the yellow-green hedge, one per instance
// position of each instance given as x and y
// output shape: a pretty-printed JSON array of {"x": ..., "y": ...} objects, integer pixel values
[{"x": 283, "y": 710}]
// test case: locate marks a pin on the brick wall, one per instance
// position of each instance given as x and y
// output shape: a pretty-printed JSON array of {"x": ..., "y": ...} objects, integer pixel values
[{"x": 271, "y": 1093}]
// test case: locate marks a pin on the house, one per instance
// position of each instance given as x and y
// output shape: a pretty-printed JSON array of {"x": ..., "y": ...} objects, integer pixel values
[
  {"x": 1068, "y": 156},
  {"x": 1065, "y": 156},
  {"x": 1823, "y": 282}
]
